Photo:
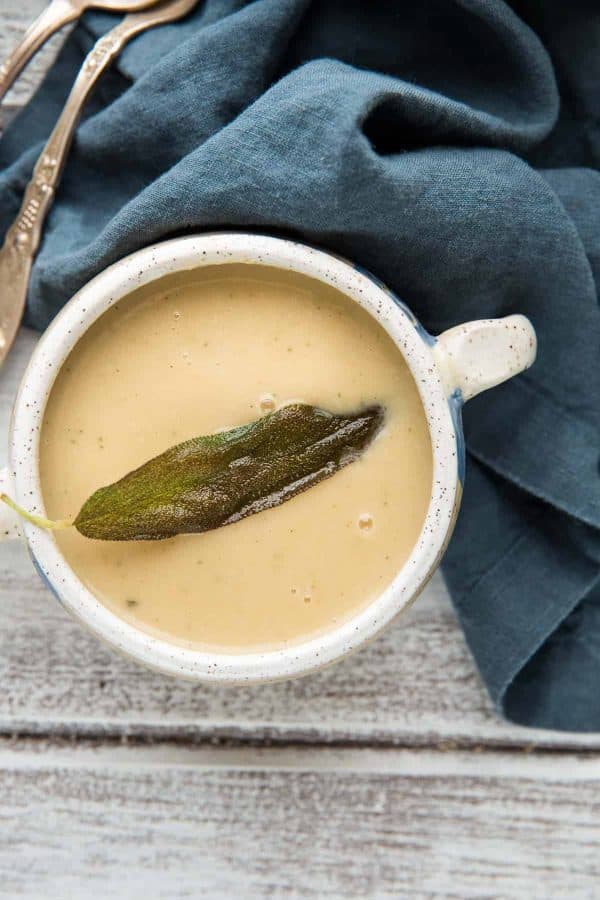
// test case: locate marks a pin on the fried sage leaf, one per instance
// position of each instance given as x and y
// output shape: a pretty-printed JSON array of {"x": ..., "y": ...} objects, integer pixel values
[{"x": 217, "y": 479}]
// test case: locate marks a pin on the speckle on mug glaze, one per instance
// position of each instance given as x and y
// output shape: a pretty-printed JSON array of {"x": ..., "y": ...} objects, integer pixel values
[{"x": 441, "y": 407}]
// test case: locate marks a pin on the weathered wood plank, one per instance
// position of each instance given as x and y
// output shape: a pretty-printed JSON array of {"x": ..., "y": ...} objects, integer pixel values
[
  {"x": 15, "y": 17},
  {"x": 170, "y": 822},
  {"x": 415, "y": 685}
]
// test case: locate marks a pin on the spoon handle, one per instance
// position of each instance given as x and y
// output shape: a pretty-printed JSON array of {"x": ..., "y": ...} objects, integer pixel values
[
  {"x": 23, "y": 237},
  {"x": 53, "y": 17}
]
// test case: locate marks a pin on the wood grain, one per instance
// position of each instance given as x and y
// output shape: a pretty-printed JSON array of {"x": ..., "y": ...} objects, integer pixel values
[
  {"x": 15, "y": 16},
  {"x": 171, "y": 823}
]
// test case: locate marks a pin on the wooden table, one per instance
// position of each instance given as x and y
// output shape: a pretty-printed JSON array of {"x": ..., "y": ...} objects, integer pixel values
[{"x": 387, "y": 776}]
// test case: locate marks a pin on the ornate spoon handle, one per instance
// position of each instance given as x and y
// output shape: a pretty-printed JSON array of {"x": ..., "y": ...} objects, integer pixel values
[
  {"x": 51, "y": 19},
  {"x": 23, "y": 237}
]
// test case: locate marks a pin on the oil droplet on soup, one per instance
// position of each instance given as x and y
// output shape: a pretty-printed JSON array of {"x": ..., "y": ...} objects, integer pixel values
[
  {"x": 365, "y": 521},
  {"x": 267, "y": 403},
  {"x": 280, "y": 576}
]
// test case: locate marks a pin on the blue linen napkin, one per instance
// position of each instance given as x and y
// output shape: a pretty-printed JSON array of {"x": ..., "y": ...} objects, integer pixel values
[{"x": 451, "y": 148}]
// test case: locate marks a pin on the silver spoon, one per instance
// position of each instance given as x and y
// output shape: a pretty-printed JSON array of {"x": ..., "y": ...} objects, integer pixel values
[
  {"x": 51, "y": 19},
  {"x": 23, "y": 237}
]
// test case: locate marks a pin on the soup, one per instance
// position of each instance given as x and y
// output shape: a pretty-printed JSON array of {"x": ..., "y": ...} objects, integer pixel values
[{"x": 210, "y": 349}]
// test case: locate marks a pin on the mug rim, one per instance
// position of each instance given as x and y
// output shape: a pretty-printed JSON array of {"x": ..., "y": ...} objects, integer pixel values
[{"x": 188, "y": 253}]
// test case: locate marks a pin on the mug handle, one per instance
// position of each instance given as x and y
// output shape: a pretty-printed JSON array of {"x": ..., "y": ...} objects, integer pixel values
[
  {"x": 10, "y": 523},
  {"x": 479, "y": 355}
]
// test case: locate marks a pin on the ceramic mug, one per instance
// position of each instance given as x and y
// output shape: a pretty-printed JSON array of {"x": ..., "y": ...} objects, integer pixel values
[{"x": 448, "y": 370}]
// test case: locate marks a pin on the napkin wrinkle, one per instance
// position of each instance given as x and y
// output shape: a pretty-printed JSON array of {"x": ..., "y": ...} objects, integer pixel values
[
  {"x": 538, "y": 606},
  {"x": 497, "y": 506},
  {"x": 226, "y": 27},
  {"x": 578, "y": 189},
  {"x": 433, "y": 119},
  {"x": 571, "y": 34},
  {"x": 548, "y": 641},
  {"x": 564, "y": 479},
  {"x": 450, "y": 148},
  {"x": 514, "y": 79},
  {"x": 570, "y": 703}
]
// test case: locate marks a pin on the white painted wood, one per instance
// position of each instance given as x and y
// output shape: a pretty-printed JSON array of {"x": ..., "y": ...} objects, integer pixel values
[
  {"x": 174, "y": 823},
  {"x": 15, "y": 16},
  {"x": 416, "y": 684}
]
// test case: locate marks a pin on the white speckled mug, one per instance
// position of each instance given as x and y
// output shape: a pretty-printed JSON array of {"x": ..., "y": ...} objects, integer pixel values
[{"x": 448, "y": 370}]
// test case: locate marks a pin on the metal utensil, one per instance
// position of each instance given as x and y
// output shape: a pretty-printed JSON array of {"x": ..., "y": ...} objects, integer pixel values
[
  {"x": 23, "y": 237},
  {"x": 50, "y": 20}
]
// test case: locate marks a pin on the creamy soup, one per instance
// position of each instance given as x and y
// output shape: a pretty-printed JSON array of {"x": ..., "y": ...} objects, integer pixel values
[{"x": 203, "y": 351}]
